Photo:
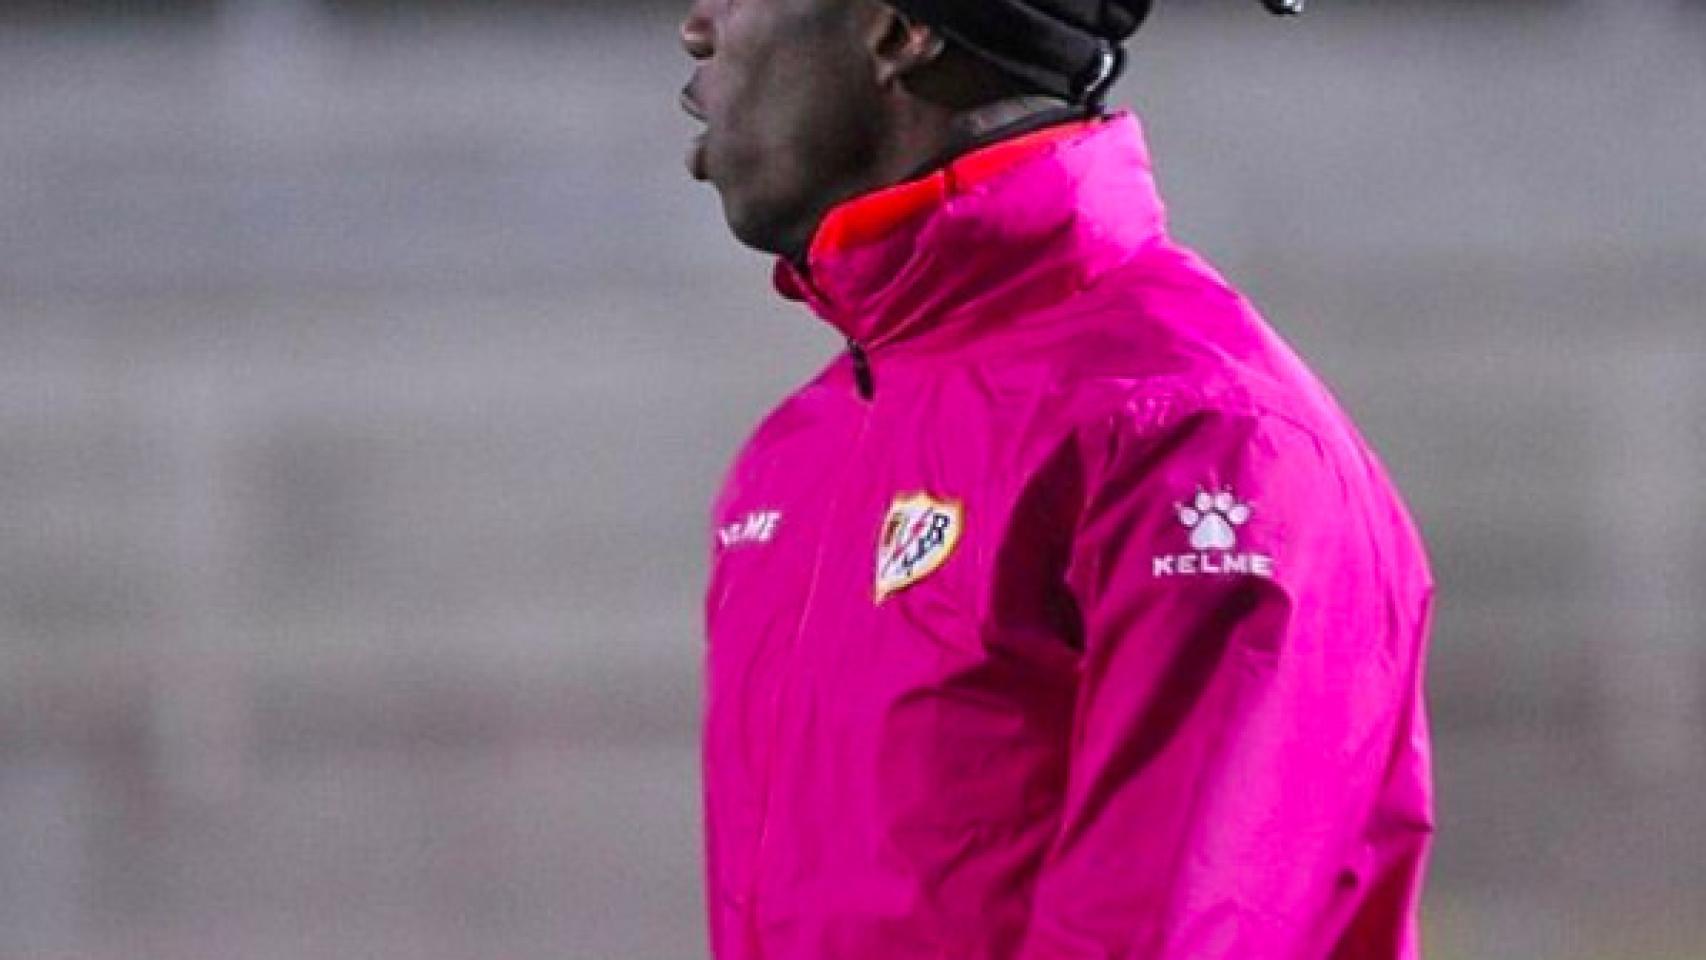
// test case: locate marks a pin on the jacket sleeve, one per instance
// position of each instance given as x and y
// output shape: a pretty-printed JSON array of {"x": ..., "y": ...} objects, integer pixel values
[{"x": 1243, "y": 677}]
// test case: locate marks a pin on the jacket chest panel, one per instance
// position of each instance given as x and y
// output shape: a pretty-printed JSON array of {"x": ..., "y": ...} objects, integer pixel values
[{"x": 834, "y": 543}]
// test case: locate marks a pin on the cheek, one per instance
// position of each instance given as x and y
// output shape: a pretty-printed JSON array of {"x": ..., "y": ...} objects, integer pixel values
[
  {"x": 794, "y": 118},
  {"x": 786, "y": 71},
  {"x": 800, "y": 119}
]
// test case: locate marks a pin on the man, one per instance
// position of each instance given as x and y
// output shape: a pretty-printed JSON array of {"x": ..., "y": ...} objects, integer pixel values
[{"x": 1064, "y": 616}]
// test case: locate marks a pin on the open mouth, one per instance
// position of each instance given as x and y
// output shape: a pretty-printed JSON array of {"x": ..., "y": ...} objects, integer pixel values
[
  {"x": 696, "y": 149},
  {"x": 691, "y": 106}
]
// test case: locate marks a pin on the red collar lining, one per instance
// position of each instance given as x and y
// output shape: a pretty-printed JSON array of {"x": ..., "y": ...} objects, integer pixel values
[{"x": 866, "y": 219}]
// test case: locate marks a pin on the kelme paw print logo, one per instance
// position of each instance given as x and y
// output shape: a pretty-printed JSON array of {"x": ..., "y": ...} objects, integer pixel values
[{"x": 1213, "y": 519}]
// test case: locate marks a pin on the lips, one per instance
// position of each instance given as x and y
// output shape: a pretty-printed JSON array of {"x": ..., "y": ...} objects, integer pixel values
[
  {"x": 690, "y": 106},
  {"x": 696, "y": 150}
]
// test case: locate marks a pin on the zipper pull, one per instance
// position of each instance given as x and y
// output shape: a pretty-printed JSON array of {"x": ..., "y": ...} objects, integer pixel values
[{"x": 862, "y": 376}]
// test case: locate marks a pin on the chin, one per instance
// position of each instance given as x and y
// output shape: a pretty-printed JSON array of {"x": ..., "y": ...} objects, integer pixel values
[{"x": 760, "y": 229}]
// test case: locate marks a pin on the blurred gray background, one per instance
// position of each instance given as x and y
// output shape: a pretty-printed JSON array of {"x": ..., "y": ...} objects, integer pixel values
[{"x": 366, "y": 370}]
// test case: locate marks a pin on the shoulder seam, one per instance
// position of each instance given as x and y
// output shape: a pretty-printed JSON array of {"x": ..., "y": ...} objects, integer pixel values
[{"x": 1157, "y": 410}]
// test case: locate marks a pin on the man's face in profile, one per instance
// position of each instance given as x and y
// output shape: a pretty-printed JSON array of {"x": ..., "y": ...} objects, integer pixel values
[{"x": 786, "y": 92}]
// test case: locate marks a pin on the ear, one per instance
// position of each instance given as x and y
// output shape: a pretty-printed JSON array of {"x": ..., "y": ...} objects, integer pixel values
[{"x": 899, "y": 45}]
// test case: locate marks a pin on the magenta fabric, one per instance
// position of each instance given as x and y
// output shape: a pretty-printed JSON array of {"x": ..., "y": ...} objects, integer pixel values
[{"x": 1096, "y": 632}]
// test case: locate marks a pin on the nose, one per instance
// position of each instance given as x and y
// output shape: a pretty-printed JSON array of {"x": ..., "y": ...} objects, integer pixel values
[{"x": 696, "y": 33}]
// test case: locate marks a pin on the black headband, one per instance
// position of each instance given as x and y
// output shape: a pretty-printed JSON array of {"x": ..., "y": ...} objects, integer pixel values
[{"x": 1071, "y": 49}]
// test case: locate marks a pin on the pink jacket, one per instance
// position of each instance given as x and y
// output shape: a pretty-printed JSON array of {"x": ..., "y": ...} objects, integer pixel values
[{"x": 1064, "y": 618}]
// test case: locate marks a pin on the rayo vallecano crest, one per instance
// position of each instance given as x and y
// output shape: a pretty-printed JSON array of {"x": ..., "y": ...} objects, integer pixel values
[{"x": 918, "y": 536}]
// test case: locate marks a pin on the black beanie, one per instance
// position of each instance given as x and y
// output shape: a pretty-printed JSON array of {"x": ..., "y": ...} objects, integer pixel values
[{"x": 1070, "y": 49}]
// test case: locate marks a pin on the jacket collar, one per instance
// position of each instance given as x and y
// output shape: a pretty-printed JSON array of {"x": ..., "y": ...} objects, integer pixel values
[{"x": 1011, "y": 226}]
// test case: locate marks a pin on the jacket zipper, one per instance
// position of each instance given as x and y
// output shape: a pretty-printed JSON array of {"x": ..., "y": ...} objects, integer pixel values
[{"x": 863, "y": 378}]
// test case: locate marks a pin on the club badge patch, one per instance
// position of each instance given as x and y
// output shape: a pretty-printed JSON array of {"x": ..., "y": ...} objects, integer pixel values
[{"x": 919, "y": 534}]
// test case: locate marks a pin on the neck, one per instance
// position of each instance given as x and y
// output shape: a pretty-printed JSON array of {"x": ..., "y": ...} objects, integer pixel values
[
  {"x": 968, "y": 130},
  {"x": 981, "y": 122}
]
